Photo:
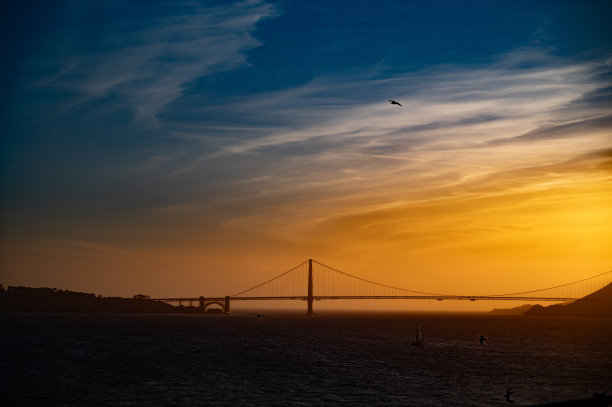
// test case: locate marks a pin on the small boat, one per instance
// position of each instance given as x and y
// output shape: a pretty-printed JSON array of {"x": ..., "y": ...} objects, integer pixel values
[{"x": 419, "y": 337}]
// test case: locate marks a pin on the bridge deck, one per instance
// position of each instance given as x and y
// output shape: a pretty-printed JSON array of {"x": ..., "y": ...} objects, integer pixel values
[{"x": 377, "y": 297}]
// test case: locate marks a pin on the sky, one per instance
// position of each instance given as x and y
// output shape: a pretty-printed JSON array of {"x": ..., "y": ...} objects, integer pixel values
[{"x": 202, "y": 147}]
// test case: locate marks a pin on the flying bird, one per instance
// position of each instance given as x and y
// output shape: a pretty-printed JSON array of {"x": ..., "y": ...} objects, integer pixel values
[
  {"x": 259, "y": 315},
  {"x": 393, "y": 102}
]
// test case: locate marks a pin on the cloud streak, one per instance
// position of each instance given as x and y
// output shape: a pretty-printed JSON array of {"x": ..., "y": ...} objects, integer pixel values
[
  {"x": 148, "y": 67},
  {"x": 487, "y": 102},
  {"x": 455, "y": 121},
  {"x": 552, "y": 132}
]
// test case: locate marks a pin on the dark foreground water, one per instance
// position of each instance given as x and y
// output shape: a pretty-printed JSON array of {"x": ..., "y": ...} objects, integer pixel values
[{"x": 291, "y": 360}]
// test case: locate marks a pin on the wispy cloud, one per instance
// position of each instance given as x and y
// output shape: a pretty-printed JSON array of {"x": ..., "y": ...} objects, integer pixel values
[
  {"x": 305, "y": 158},
  {"x": 148, "y": 67},
  {"x": 463, "y": 131},
  {"x": 451, "y": 108},
  {"x": 572, "y": 129},
  {"x": 499, "y": 100}
]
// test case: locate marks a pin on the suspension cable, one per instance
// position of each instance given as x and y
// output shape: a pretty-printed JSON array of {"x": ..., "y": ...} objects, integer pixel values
[
  {"x": 407, "y": 290},
  {"x": 551, "y": 288},
  {"x": 372, "y": 282},
  {"x": 489, "y": 295},
  {"x": 270, "y": 280}
]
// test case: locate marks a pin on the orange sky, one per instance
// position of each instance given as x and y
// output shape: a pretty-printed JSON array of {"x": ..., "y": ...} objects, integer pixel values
[
  {"x": 158, "y": 156},
  {"x": 485, "y": 227}
]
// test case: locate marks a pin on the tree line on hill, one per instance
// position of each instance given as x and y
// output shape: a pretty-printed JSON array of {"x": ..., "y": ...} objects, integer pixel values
[{"x": 52, "y": 300}]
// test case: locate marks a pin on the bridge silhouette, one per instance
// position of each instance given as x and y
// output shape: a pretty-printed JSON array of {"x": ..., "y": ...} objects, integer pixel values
[{"x": 309, "y": 277}]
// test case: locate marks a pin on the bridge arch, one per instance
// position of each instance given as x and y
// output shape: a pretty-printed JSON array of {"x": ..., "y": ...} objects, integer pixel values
[{"x": 208, "y": 304}]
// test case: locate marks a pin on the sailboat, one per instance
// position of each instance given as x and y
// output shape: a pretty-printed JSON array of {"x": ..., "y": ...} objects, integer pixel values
[{"x": 419, "y": 337}]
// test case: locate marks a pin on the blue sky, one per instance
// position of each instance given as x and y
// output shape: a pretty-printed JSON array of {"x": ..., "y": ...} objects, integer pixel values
[{"x": 132, "y": 127}]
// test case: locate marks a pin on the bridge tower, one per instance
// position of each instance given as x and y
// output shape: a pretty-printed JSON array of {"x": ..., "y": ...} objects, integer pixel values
[
  {"x": 310, "y": 299},
  {"x": 227, "y": 304}
]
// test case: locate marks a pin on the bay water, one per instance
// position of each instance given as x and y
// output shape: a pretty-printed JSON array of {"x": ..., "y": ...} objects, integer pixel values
[{"x": 287, "y": 359}]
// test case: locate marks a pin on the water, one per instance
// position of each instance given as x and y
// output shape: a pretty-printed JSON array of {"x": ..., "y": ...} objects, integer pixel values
[{"x": 291, "y": 360}]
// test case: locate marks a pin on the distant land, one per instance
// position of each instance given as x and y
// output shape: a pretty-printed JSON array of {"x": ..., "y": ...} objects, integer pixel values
[
  {"x": 597, "y": 304},
  {"x": 51, "y": 300},
  {"x": 520, "y": 310}
]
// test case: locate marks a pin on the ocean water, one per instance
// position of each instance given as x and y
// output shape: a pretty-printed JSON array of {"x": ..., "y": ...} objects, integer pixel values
[{"x": 289, "y": 360}]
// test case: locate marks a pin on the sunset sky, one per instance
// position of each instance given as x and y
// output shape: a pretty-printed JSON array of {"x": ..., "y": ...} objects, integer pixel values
[{"x": 199, "y": 148}]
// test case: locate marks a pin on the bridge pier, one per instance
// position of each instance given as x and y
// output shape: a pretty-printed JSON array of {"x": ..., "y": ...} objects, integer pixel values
[
  {"x": 202, "y": 302},
  {"x": 310, "y": 299},
  {"x": 227, "y": 304}
]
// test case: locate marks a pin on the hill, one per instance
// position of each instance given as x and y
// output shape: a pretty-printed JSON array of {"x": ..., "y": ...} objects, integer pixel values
[
  {"x": 51, "y": 300},
  {"x": 598, "y": 304},
  {"x": 520, "y": 310}
]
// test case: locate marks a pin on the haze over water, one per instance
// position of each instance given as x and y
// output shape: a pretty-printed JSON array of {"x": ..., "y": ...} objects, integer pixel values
[
  {"x": 333, "y": 359},
  {"x": 199, "y": 148}
]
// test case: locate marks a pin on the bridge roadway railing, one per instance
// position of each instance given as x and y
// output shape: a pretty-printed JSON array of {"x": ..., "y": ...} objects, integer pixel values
[
  {"x": 410, "y": 297},
  {"x": 224, "y": 302},
  {"x": 375, "y": 297}
]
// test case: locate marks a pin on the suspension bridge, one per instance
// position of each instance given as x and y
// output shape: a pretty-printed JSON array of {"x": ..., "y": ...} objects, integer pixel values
[{"x": 313, "y": 281}]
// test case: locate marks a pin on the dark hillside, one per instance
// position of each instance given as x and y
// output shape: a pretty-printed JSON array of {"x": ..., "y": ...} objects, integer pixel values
[
  {"x": 520, "y": 310},
  {"x": 598, "y": 304},
  {"x": 51, "y": 300}
]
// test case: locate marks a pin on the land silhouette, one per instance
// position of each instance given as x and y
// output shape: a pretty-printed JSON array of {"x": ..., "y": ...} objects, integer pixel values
[
  {"x": 520, "y": 310},
  {"x": 51, "y": 300},
  {"x": 597, "y": 304}
]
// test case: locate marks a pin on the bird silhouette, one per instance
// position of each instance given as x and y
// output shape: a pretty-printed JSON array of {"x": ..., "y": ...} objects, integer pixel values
[
  {"x": 508, "y": 394},
  {"x": 482, "y": 339},
  {"x": 259, "y": 315},
  {"x": 393, "y": 102}
]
